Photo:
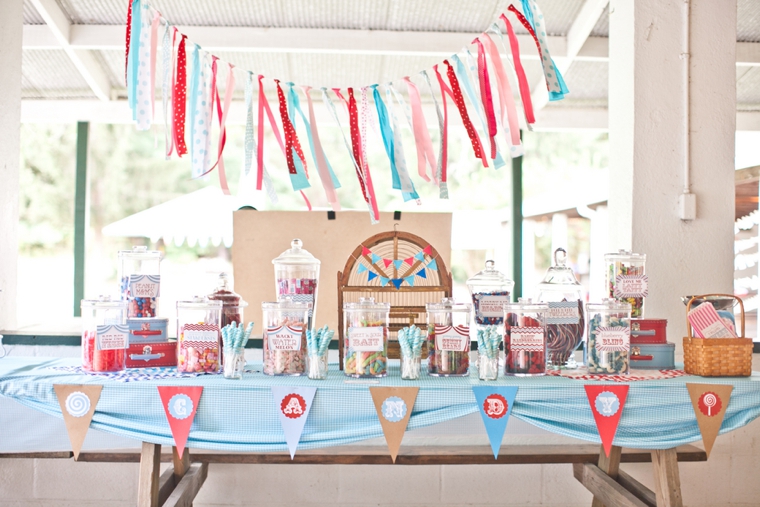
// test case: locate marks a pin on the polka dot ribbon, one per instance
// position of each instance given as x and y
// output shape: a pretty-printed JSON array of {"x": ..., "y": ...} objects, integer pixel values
[
  {"x": 179, "y": 98},
  {"x": 524, "y": 22},
  {"x": 129, "y": 30},
  {"x": 514, "y": 46},
  {"x": 555, "y": 84},
  {"x": 356, "y": 143},
  {"x": 459, "y": 101},
  {"x": 291, "y": 139},
  {"x": 486, "y": 96}
]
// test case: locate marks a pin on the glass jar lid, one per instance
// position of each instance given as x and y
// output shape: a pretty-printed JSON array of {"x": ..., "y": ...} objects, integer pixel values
[
  {"x": 225, "y": 294},
  {"x": 199, "y": 303},
  {"x": 448, "y": 305},
  {"x": 560, "y": 277},
  {"x": 104, "y": 302},
  {"x": 625, "y": 255},
  {"x": 296, "y": 255},
  {"x": 139, "y": 253},
  {"x": 610, "y": 305},
  {"x": 490, "y": 277},
  {"x": 367, "y": 304}
]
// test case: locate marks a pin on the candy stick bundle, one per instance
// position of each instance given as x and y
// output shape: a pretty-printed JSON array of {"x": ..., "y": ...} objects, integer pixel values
[
  {"x": 410, "y": 340},
  {"x": 234, "y": 336},
  {"x": 489, "y": 339},
  {"x": 317, "y": 342}
]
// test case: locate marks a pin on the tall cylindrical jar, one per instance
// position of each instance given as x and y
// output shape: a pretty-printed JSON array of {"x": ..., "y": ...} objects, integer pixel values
[
  {"x": 627, "y": 280},
  {"x": 448, "y": 338},
  {"x": 608, "y": 339},
  {"x": 233, "y": 305},
  {"x": 563, "y": 294},
  {"x": 105, "y": 334},
  {"x": 525, "y": 338},
  {"x": 140, "y": 280},
  {"x": 365, "y": 346},
  {"x": 490, "y": 290},
  {"x": 198, "y": 335},
  {"x": 284, "y": 332},
  {"x": 296, "y": 273}
]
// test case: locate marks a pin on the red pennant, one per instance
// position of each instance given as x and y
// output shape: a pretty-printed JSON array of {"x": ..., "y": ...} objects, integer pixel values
[
  {"x": 180, "y": 404},
  {"x": 366, "y": 251},
  {"x": 607, "y": 404},
  {"x": 428, "y": 250},
  {"x": 387, "y": 262},
  {"x": 409, "y": 260}
]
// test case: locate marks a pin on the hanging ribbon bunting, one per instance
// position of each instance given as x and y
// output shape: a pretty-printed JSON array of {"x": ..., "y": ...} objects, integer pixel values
[
  {"x": 324, "y": 169},
  {"x": 486, "y": 96},
  {"x": 250, "y": 143},
  {"x": 179, "y": 98},
  {"x": 229, "y": 90},
  {"x": 167, "y": 51},
  {"x": 407, "y": 187},
  {"x": 443, "y": 123},
  {"x": 506, "y": 99},
  {"x": 459, "y": 101},
  {"x": 200, "y": 114},
  {"x": 153, "y": 47},
  {"x": 365, "y": 162},
  {"x": 133, "y": 55},
  {"x": 387, "y": 135},
  {"x": 291, "y": 140},
  {"x": 144, "y": 107},
  {"x": 353, "y": 118},
  {"x": 300, "y": 178},
  {"x": 425, "y": 154},
  {"x": 514, "y": 46}
]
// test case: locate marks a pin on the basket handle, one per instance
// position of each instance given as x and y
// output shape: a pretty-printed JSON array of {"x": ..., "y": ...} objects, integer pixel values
[{"x": 688, "y": 309}]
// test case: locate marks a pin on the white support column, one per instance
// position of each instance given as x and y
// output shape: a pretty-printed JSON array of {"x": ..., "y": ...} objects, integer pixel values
[
  {"x": 647, "y": 126},
  {"x": 11, "y": 24}
]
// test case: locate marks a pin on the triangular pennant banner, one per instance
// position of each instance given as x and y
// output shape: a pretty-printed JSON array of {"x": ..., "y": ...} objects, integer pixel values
[
  {"x": 394, "y": 406},
  {"x": 180, "y": 404},
  {"x": 710, "y": 402},
  {"x": 361, "y": 269},
  {"x": 293, "y": 405},
  {"x": 397, "y": 282},
  {"x": 421, "y": 273},
  {"x": 419, "y": 256},
  {"x": 428, "y": 250},
  {"x": 495, "y": 404},
  {"x": 409, "y": 280},
  {"x": 398, "y": 264},
  {"x": 387, "y": 262},
  {"x": 375, "y": 258},
  {"x": 409, "y": 260},
  {"x": 366, "y": 251},
  {"x": 384, "y": 281},
  {"x": 77, "y": 406},
  {"x": 607, "y": 404},
  {"x": 432, "y": 265},
  {"x": 371, "y": 276}
]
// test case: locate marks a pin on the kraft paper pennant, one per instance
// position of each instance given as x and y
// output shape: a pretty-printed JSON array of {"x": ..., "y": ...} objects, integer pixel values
[
  {"x": 394, "y": 406},
  {"x": 428, "y": 250},
  {"x": 387, "y": 262},
  {"x": 77, "y": 406},
  {"x": 421, "y": 273},
  {"x": 384, "y": 281},
  {"x": 361, "y": 268},
  {"x": 293, "y": 405},
  {"x": 495, "y": 404},
  {"x": 607, "y": 404},
  {"x": 371, "y": 276},
  {"x": 397, "y": 264},
  {"x": 709, "y": 402},
  {"x": 180, "y": 404}
]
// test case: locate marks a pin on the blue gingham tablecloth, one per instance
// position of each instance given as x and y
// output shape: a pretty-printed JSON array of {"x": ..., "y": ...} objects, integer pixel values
[{"x": 239, "y": 415}]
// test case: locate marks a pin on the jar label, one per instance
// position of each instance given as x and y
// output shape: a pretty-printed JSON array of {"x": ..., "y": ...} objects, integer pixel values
[
  {"x": 285, "y": 338},
  {"x": 613, "y": 339},
  {"x": 144, "y": 286},
  {"x": 527, "y": 339},
  {"x": 451, "y": 338},
  {"x": 365, "y": 339},
  {"x": 631, "y": 286},
  {"x": 200, "y": 333},
  {"x": 112, "y": 337},
  {"x": 490, "y": 307},
  {"x": 563, "y": 312}
]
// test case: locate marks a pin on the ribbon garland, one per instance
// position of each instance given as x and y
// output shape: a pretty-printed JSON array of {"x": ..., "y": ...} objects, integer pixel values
[
  {"x": 299, "y": 180},
  {"x": 425, "y": 154},
  {"x": 443, "y": 126},
  {"x": 144, "y": 73},
  {"x": 459, "y": 101},
  {"x": 167, "y": 50},
  {"x": 367, "y": 176},
  {"x": 486, "y": 96},
  {"x": 554, "y": 81},
  {"x": 200, "y": 113},
  {"x": 407, "y": 186},
  {"x": 126, "y": 53},
  {"x": 179, "y": 98},
  {"x": 506, "y": 99},
  {"x": 414, "y": 262},
  {"x": 514, "y": 46}
]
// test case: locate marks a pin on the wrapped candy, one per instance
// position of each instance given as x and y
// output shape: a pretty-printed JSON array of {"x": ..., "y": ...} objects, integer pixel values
[{"x": 285, "y": 324}]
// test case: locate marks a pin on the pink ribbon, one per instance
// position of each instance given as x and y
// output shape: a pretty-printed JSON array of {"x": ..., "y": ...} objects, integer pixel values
[
  {"x": 319, "y": 156},
  {"x": 170, "y": 104},
  {"x": 363, "y": 139},
  {"x": 422, "y": 139},
  {"x": 506, "y": 99},
  {"x": 444, "y": 134},
  {"x": 514, "y": 45},
  {"x": 153, "y": 45},
  {"x": 486, "y": 96},
  {"x": 222, "y": 113}
]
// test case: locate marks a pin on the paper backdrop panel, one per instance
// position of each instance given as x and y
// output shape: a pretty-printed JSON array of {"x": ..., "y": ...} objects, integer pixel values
[{"x": 260, "y": 236}]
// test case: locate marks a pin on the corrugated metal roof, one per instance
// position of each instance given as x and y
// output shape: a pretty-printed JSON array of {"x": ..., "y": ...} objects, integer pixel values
[
  {"x": 31, "y": 16},
  {"x": 748, "y": 21},
  {"x": 748, "y": 88},
  {"x": 588, "y": 83},
  {"x": 50, "y": 74},
  {"x": 602, "y": 27}
]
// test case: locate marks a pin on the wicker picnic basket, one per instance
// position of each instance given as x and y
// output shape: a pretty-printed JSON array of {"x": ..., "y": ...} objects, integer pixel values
[{"x": 717, "y": 357}]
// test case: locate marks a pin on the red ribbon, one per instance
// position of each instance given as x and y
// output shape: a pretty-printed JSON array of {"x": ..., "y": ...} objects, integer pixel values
[
  {"x": 356, "y": 141},
  {"x": 486, "y": 96},
  {"x": 459, "y": 101},
  {"x": 170, "y": 102},
  {"x": 444, "y": 135},
  {"x": 129, "y": 34},
  {"x": 527, "y": 26},
  {"x": 514, "y": 45},
  {"x": 179, "y": 98},
  {"x": 222, "y": 114},
  {"x": 291, "y": 139}
]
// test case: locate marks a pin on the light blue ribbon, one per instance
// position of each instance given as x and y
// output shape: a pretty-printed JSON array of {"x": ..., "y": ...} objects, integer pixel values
[
  {"x": 133, "y": 60},
  {"x": 249, "y": 142},
  {"x": 299, "y": 181},
  {"x": 443, "y": 189},
  {"x": 407, "y": 186},
  {"x": 560, "y": 80},
  {"x": 166, "y": 53},
  {"x": 194, "y": 81}
]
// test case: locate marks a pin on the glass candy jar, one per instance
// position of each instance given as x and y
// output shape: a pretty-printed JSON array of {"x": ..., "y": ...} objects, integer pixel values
[
  {"x": 626, "y": 279},
  {"x": 232, "y": 304},
  {"x": 490, "y": 290},
  {"x": 365, "y": 347},
  {"x": 525, "y": 338},
  {"x": 198, "y": 335},
  {"x": 140, "y": 280},
  {"x": 296, "y": 273},
  {"x": 564, "y": 324},
  {"x": 284, "y": 336},
  {"x": 448, "y": 338},
  {"x": 105, "y": 335},
  {"x": 608, "y": 338}
]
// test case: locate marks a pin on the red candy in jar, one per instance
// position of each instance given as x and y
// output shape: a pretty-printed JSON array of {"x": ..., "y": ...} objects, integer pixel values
[
  {"x": 525, "y": 338},
  {"x": 105, "y": 336}
]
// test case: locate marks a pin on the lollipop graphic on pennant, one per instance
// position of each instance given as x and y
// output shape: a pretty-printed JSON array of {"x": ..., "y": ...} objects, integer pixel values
[
  {"x": 709, "y": 404},
  {"x": 77, "y": 404}
]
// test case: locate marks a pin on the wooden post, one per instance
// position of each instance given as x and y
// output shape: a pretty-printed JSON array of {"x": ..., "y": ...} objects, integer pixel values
[
  {"x": 147, "y": 488},
  {"x": 667, "y": 482},
  {"x": 610, "y": 466},
  {"x": 181, "y": 465}
]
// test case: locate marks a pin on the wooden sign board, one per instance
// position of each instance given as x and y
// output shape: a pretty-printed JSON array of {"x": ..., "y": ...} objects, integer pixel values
[{"x": 260, "y": 236}]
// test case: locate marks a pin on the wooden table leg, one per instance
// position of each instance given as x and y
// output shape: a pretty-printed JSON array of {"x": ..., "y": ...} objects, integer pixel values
[
  {"x": 610, "y": 466},
  {"x": 181, "y": 465},
  {"x": 667, "y": 482},
  {"x": 147, "y": 489}
]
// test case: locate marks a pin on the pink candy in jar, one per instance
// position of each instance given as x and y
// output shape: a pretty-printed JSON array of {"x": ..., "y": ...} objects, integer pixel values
[
  {"x": 296, "y": 273},
  {"x": 284, "y": 334}
]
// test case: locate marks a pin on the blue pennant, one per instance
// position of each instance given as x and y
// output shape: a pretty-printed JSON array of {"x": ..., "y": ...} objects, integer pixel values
[
  {"x": 420, "y": 256},
  {"x": 397, "y": 282},
  {"x": 375, "y": 258},
  {"x": 398, "y": 264},
  {"x": 409, "y": 280},
  {"x": 371, "y": 276},
  {"x": 421, "y": 273},
  {"x": 361, "y": 269},
  {"x": 432, "y": 265},
  {"x": 495, "y": 405},
  {"x": 384, "y": 281}
]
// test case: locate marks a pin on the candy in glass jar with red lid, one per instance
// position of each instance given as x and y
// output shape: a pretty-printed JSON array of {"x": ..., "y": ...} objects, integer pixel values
[
  {"x": 105, "y": 334},
  {"x": 296, "y": 273},
  {"x": 198, "y": 333},
  {"x": 232, "y": 304},
  {"x": 140, "y": 280},
  {"x": 525, "y": 338}
]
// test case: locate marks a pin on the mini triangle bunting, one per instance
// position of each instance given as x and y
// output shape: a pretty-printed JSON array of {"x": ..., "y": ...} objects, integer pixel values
[
  {"x": 432, "y": 265},
  {"x": 365, "y": 251},
  {"x": 78, "y": 404},
  {"x": 293, "y": 405},
  {"x": 397, "y": 282},
  {"x": 420, "y": 256},
  {"x": 428, "y": 250},
  {"x": 421, "y": 273},
  {"x": 375, "y": 258},
  {"x": 409, "y": 260},
  {"x": 387, "y": 262},
  {"x": 409, "y": 280},
  {"x": 361, "y": 269},
  {"x": 384, "y": 281},
  {"x": 371, "y": 276},
  {"x": 397, "y": 264}
]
